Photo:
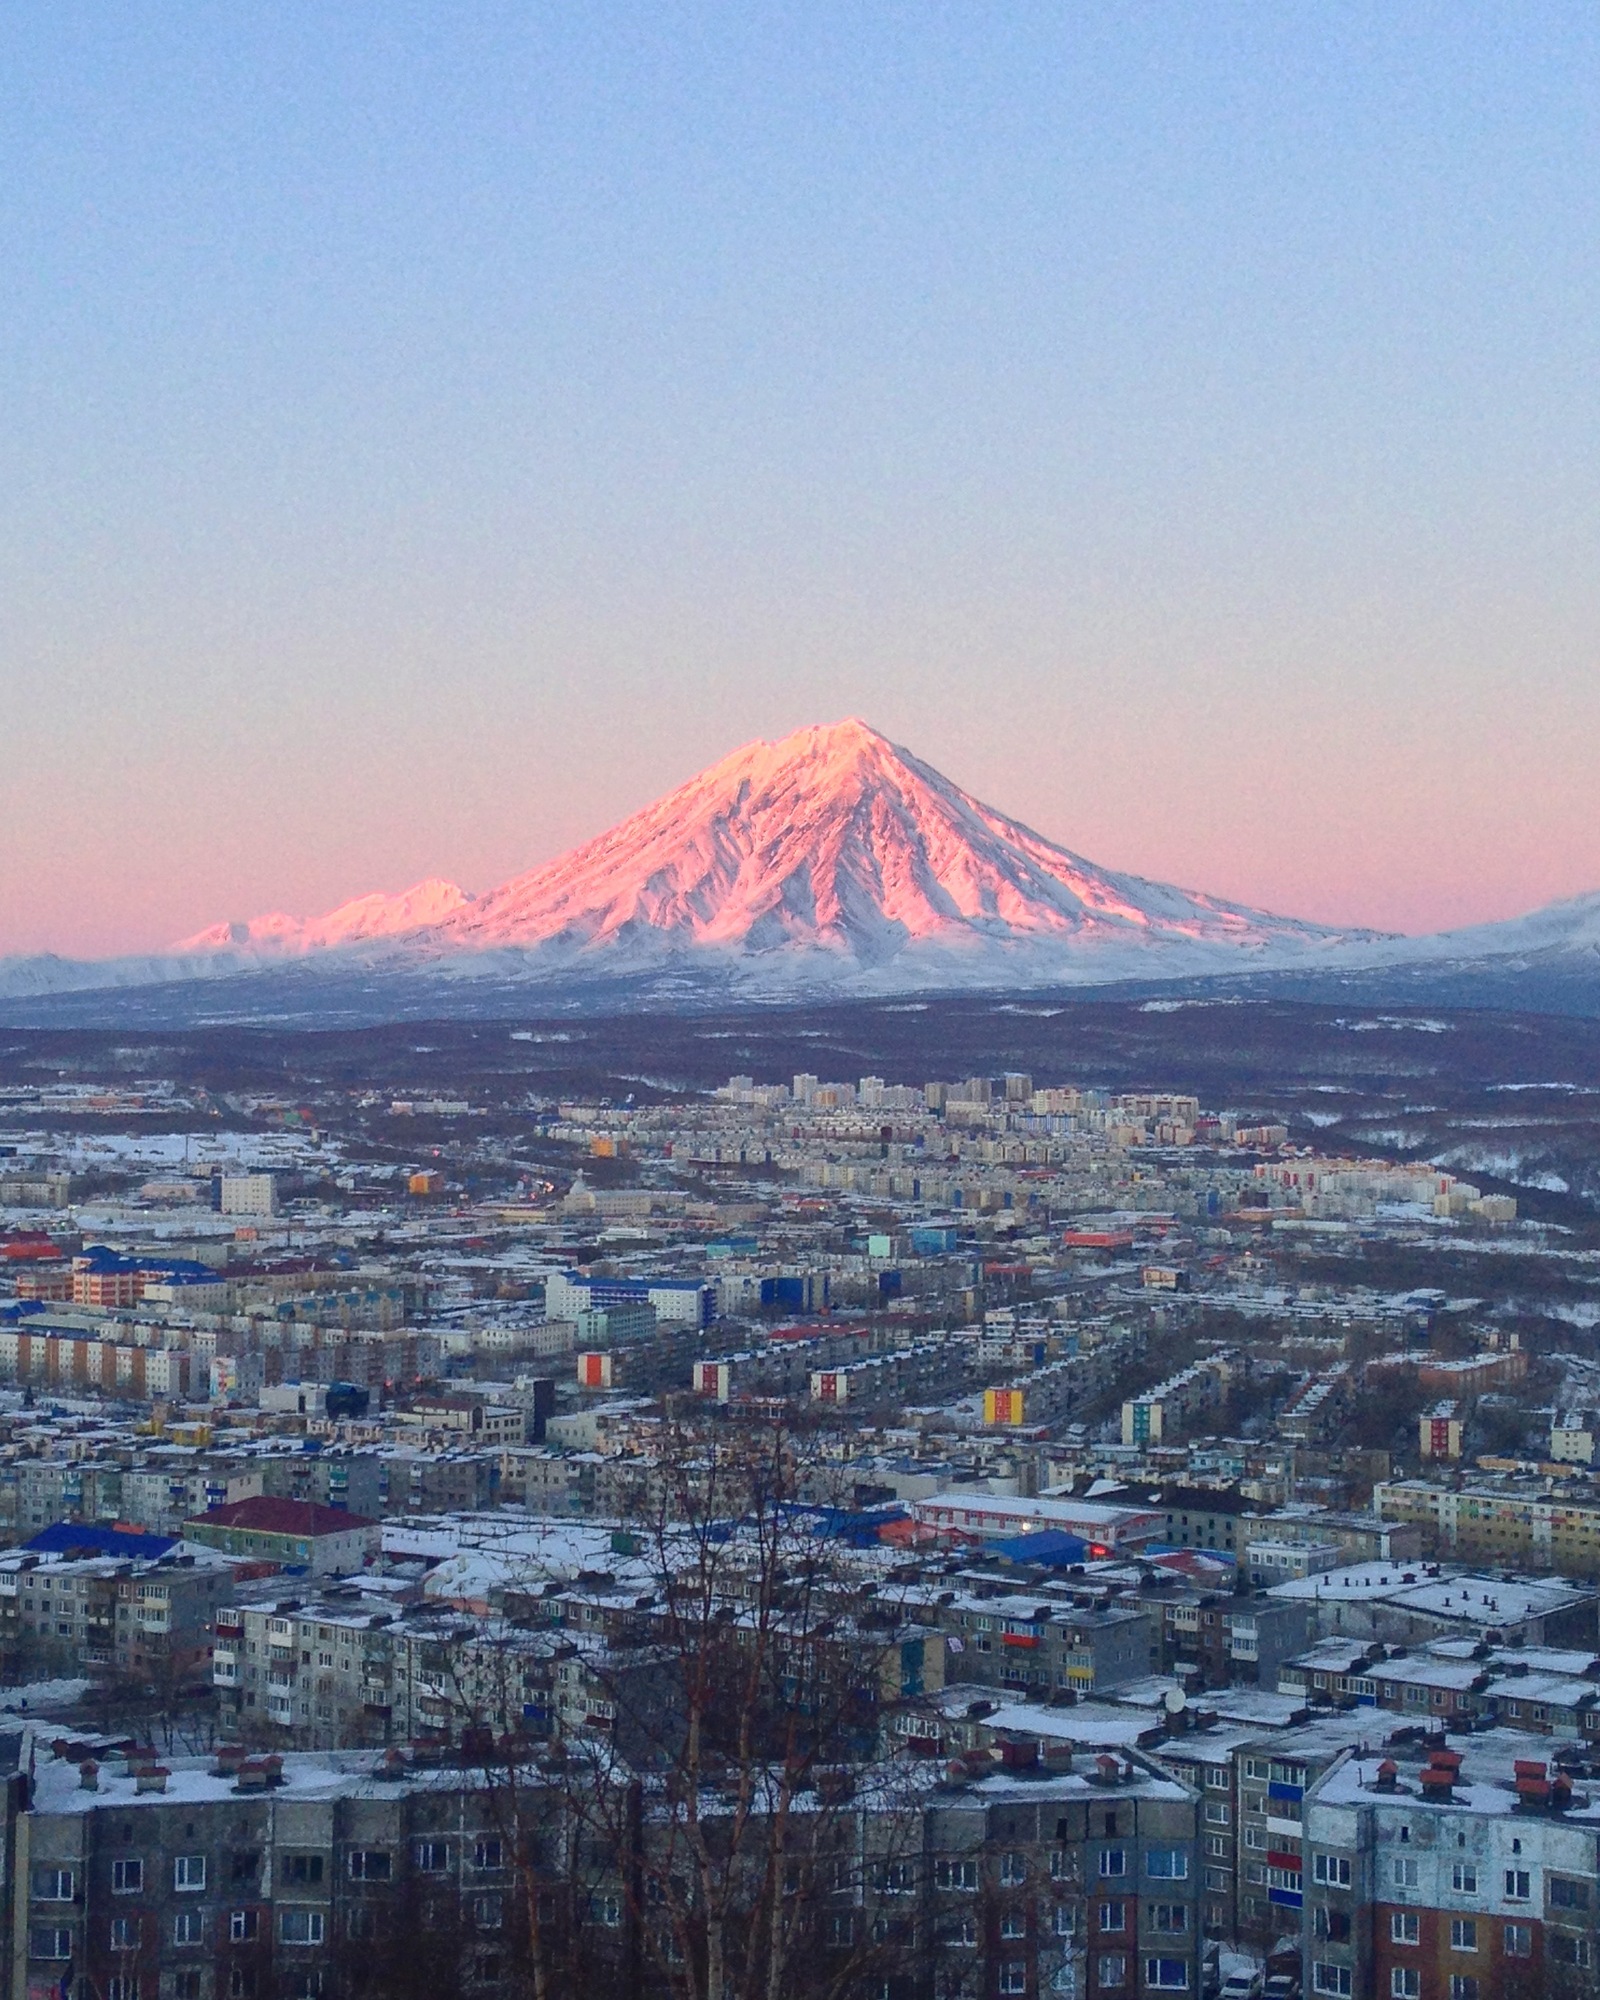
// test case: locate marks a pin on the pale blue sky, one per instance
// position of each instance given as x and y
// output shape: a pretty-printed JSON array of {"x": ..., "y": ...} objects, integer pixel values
[{"x": 429, "y": 431}]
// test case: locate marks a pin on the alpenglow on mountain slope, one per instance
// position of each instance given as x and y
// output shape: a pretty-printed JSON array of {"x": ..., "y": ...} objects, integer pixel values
[{"x": 831, "y": 860}]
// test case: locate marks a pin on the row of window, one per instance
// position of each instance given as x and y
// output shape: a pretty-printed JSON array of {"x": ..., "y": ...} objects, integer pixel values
[
  {"x": 189, "y": 1927},
  {"x": 52, "y": 1884},
  {"x": 1566, "y": 1893},
  {"x": 307, "y": 1927}
]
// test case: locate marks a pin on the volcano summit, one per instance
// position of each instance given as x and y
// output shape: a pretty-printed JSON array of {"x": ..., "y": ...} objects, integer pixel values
[{"x": 830, "y": 858}]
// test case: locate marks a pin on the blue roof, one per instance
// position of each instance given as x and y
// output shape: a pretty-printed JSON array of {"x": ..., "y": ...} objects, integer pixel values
[
  {"x": 1051, "y": 1546},
  {"x": 97, "y": 1538}
]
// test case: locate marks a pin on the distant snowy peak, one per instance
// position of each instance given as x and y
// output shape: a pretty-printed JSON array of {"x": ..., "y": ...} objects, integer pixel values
[
  {"x": 836, "y": 841},
  {"x": 1569, "y": 929},
  {"x": 829, "y": 862},
  {"x": 832, "y": 853},
  {"x": 367, "y": 917}
]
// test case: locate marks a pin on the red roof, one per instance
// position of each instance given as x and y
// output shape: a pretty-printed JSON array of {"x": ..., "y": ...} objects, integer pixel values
[{"x": 284, "y": 1517}]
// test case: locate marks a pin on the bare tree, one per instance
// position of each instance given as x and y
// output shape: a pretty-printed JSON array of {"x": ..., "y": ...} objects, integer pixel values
[{"x": 710, "y": 1819}]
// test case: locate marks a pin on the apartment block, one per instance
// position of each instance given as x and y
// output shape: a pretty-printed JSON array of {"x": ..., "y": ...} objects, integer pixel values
[{"x": 1442, "y": 1873}]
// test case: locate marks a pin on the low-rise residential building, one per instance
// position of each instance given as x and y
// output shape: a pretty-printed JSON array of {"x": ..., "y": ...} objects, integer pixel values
[
  {"x": 1442, "y": 1873},
  {"x": 296, "y": 1534}
]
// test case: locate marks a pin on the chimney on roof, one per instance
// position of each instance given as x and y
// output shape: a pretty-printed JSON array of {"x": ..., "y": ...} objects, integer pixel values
[
  {"x": 1388, "y": 1776},
  {"x": 89, "y": 1775}
]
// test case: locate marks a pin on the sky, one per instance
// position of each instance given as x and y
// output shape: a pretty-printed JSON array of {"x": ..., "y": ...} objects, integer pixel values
[{"x": 428, "y": 432}]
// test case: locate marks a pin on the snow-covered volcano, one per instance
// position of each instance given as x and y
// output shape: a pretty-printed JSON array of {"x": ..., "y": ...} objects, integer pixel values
[
  {"x": 836, "y": 845},
  {"x": 832, "y": 856},
  {"x": 832, "y": 860}
]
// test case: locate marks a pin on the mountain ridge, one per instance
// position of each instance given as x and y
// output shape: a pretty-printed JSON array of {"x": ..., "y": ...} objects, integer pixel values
[
  {"x": 829, "y": 861},
  {"x": 832, "y": 840}
]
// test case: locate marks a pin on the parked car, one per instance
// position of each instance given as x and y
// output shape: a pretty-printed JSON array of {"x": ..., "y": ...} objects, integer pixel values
[{"x": 1242, "y": 1986}]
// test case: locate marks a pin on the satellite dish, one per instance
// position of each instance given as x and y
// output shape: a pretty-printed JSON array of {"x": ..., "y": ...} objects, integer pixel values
[{"x": 1174, "y": 1701}]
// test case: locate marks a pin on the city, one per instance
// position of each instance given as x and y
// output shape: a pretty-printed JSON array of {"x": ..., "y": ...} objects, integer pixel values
[
  {"x": 984, "y": 1535},
  {"x": 799, "y": 1001}
]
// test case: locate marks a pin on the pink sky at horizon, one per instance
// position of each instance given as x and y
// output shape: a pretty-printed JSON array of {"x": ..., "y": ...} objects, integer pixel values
[
  {"x": 432, "y": 434},
  {"x": 1297, "y": 843}
]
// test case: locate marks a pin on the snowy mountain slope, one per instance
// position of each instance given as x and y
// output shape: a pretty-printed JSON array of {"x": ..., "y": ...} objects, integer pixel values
[
  {"x": 829, "y": 856},
  {"x": 356, "y": 922},
  {"x": 1568, "y": 929},
  {"x": 831, "y": 861},
  {"x": 836, "y": 841}
]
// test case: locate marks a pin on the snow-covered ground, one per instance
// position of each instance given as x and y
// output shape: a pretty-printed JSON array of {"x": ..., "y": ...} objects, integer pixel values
[{"x": 43, "y": 1694}]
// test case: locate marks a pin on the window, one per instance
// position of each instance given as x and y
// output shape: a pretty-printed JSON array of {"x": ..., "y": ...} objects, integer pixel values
[
  {"x": 488, "y": 1912},
  {"x": 1405, "y": 1983},
  {"x": 1013, "y": 1870},
  {"x": 1516, "y": 1940},
  {"x": 1014, "y": 1976},
  {"x": 1464, "y": 1878},
  {"x": 189, "y": 1927},
  {"x": 1463, "y": 1986},
  {"x": 1405, "y": 1927},
  {"x": 1565, "y": 1893},
  {"x": 369, "y": 1864},
  {"x": 1405, "y": 1873},
  {"x": 47, "y": 1941},
  {"x": 1014, "y": 1924},
  {"x": 241, "y": 1982},
  {"x": 1217, "y": 1813},
  {"x": 1463, "y": 1934},
  {"x": 955, "y": 1874},
  {"x": 898, "y": 1878},
  {"x": 1518, "y": 1888},
  {"x": 1331, "y": 1924},
  {"x": 189, "y": 1873},
  {"x": 1332, "y": 1870},
  {"x": 842, "y": 1929},
  {"x": 606, "y": 1910},
  {"x": 1113, "y": 1916},
  {"x": 124, "y": 1934},
  {"x": 487, "y": 1853},
  {"x": 1066, "y": 1920},
  {"x": 431, "y": 1857},
  {"x": 1168, "y": 1864},
  {"x": 1113, "y": 1861},
  {"x": 302, "y": 1870},
  {"x": 1113, "y": 1970},
  {"x": 123, "y": 1986},
  {"x": 960, "y": 1931},
  {"x": 242, "y": 1926},
  {"x": 300, "y": 1926},
  {"x": 52, "y": 1885},
  {"x": 1335, "y": 1979},
  {"x": 188, "y": 1983},
  {"x": 244, "y": 1866},
  {"x": 1171, "y": 1974},
  {"x": 362, "y": 1923},
  {"x": 127, "y": 1878},
  {"x": 1218, "y": 1846},
  {"x": 1172, "y": 1918},
  {"x": 1565, "y": 1949}
]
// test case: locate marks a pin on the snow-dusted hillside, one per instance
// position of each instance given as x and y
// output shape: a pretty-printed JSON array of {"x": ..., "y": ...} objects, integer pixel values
[
  {"x": 831, "y": 857},
  {"x": 831, "y": 861},
  {"x": 835, "y": 841}
]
